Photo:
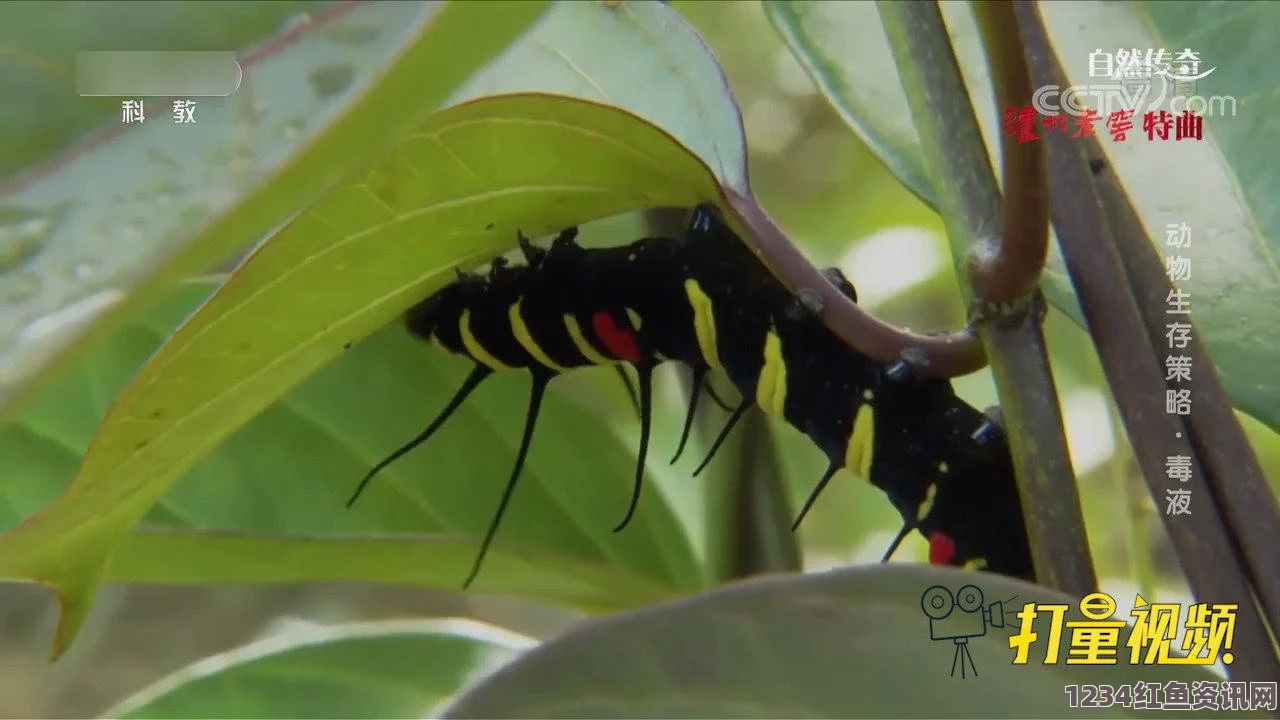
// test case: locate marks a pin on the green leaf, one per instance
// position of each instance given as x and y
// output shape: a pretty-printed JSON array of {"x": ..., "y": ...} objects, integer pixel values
[
  {"x": 291, "y": 469},
  {"x": 169, "y": 200},
  {"x": 41, "y": 41},
  {"x": 360, "y": 670},
  {"x": 642, "y": 57},
  {"x": 453, "y": 193},
  {"x": 334, "y": 275},
  {"x": 1220, "y": 187},
  {"x": 846, "y": 52},
  {"x": 154, "y": 556},
  {"x": 1225, "y": 191},
  {"x": 850, "y": 643}
]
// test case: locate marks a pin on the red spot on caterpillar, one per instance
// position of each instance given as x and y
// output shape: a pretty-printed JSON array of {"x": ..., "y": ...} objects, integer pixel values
[
  {"x": 620, "y": 341},
  {"x": 942, "y": 549}
]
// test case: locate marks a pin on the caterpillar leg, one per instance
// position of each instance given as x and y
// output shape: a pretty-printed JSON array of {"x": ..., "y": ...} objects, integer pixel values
[
  {"x": 478, "y": 373},
  {"x": 645, "y": 373},
  {"x": 539, "y": 388},
  {"x": 699, "y": 377},
  {"x": 906, "y": 367},
  {"x": 992, "y": 426},
  {"x": 738, "y": 412},
  {"x": 813, "y": 495},
  {"x": 900, "y": 370}
]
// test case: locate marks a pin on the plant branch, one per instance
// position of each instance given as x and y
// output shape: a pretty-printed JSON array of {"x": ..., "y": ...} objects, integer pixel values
[
  {"x": 1231, "y": 467},
  {"x": 1010, "y": 269},
  {"x": 949, "y": 355},
  {"x": 1128, "y": 357},
  {"x": 1008, "y": 272},
  {"x": 978, "y": 225}
]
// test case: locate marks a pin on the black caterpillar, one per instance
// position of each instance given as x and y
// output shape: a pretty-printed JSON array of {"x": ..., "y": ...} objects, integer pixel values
[{"x": 707, "y": 301}]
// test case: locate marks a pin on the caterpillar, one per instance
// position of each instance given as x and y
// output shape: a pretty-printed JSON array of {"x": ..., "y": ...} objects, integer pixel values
[{"x": 708, "y": 302}]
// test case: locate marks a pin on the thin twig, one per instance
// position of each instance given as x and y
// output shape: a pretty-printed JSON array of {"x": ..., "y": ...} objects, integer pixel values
[
  {"x": 1204, "y": 548},
  {"x": 977, "y": 222},
  {"x": 1231, "y": 467}
]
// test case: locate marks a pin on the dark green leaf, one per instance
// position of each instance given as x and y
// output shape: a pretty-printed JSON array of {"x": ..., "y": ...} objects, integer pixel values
[
  {"x": 453, "y": 193},
  {"x": 366, "y": 670},
  {"x": 145, "y": 204},
  {"x": 851, "y": 643},
  {"x": 291, "y": 469}
]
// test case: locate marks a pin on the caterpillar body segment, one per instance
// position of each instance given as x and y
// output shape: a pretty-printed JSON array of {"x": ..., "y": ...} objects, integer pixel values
[
  {"x": 910, "y": 437},
  {"x": 706, "y": 301}
]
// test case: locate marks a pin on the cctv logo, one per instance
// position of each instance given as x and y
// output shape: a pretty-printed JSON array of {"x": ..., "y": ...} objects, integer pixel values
[{"x": 960, "y": 617}]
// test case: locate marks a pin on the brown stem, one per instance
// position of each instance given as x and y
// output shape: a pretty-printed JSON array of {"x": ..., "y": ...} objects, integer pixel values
[
  {"x": 1042, "y": 461},
  {"x": 978, "y": 224},
  {"x": 948, "y": 355},
  {"x": 1111, "y": 312},
  {"x": 1006, "y": 270}
]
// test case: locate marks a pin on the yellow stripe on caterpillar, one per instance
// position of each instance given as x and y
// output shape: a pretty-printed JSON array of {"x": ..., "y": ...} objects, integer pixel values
[
  {"x": 521, "y": 331},
  {"x": 930, "y": 493},
  {"x": 771, "y": 388},
  {"x": 473, "y": 346},
  {"x": 704, "y": 323},
  {"x": 857, "y": 456},
  {"x": 584, "y": 346},
  {"x": 926, "y": 505}
]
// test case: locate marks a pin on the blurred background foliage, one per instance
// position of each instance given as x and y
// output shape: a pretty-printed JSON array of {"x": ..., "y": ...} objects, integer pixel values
[{"x": 819, "y": 182}]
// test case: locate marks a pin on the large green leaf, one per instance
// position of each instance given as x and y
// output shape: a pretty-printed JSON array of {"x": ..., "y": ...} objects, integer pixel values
[
  {"x": 365, "y": 670},
  {"x": 1219, "y": 187},
  {"x": 169, "y": 557},
  {"x": 453, "y": 193},
  {"x": 291, "y": 469},
  {"x": 41, "y": 41},
  {"x": 850, "y": 643},
  {"x": 137, "y": 207}
]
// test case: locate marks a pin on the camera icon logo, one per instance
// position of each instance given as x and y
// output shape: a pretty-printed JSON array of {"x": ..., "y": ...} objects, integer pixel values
[{"x": 972, "y": 620}]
